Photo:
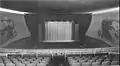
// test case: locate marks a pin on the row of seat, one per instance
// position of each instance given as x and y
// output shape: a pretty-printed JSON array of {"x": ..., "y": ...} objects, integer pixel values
[
  {"x": 92, "y": 61},
  {"x": 24, "y": 61},
  {"x": 84, "y": 60}
]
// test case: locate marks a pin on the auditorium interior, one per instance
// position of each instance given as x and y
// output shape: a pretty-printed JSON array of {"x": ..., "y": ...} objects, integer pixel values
[{"x": 59, "y": 33}]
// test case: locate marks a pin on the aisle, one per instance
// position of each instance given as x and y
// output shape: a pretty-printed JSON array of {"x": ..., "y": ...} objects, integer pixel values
[{"x": 58, "y": 61}]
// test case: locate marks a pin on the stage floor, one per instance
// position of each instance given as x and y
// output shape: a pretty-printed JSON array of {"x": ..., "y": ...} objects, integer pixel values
[{"x": 27, "y": 44}]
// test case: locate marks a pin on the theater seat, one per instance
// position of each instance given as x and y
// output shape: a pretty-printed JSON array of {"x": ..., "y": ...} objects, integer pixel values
[
  {"x": 96, "y": 64},
  {"x": 115, "y": 63},
  {"x": 2, "y": 64},
  {"x": 100, "y": 60},
  {"x": 19, "y": 64},
  {"x": 87, "y": 64},
  {"x": 106, "y": 63},
  {"x": 24, "y": 61}
]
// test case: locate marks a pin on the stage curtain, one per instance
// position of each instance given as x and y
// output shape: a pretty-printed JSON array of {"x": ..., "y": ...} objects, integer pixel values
[{"x": 58, "y": 31}]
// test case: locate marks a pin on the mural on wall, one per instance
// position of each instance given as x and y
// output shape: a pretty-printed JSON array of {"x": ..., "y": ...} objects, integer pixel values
[
  {"x": 12, "y": 28},
  {"x": 109, "y": 30},
  {"x": 105, "y": 27},
  {"x": 7, "y": 29}
]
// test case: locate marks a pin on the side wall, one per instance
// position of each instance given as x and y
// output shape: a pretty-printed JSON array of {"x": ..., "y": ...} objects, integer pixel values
[
  {"x": 105, "y": 27},
  {"x": 20, "y": 28}
]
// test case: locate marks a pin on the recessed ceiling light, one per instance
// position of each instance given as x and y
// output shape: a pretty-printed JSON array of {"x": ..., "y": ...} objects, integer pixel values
[{"x": 13, "y": 11}]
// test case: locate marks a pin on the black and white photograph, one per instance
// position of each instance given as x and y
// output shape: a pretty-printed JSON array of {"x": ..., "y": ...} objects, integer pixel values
[{"x": 59, "y": 33}]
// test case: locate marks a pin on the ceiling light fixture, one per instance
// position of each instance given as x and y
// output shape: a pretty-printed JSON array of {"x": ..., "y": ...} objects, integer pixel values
[
  {"x": 105, "y": 10},
  {"x": 13, "y": 11}
]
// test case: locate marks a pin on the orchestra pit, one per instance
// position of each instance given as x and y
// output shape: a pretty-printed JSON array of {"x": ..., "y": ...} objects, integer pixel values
[{"x": 59, "y": 33}]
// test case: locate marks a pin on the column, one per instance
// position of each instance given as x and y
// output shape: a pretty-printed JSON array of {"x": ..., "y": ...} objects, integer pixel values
[
  {"x": 46, "y": 30},
  {"x": 76, "y": 31}
]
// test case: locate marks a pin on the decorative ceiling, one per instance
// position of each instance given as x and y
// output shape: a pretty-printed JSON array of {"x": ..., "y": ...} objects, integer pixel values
[{"x": 59, "y": 5}]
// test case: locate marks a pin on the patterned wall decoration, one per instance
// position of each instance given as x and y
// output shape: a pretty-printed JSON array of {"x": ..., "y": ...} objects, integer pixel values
[
  {"x": 12, "y": 28},
  {"x": 105, "y": 27},
  {"x": 7, "y": 29},
  {"x": 109, "y": 30}
]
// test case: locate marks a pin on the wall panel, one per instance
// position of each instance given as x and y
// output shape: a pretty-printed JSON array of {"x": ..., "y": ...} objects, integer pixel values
[{"x": 105, "y": 27}]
